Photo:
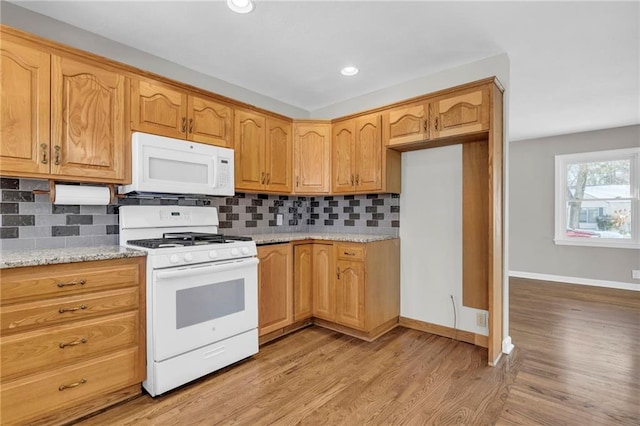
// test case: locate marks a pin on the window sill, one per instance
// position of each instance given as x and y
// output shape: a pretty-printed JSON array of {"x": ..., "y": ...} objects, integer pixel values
[{"x": 606, "y": 243}]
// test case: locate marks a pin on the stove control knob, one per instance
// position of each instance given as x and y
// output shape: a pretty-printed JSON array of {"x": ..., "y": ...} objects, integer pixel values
[
  {"x": 188, "y": 257},
  {"x": 173, "y": 258},
  {"x": 245, "y": 250},
  {"x": 234, "y": 252},
  {"x": 213, "y": 254}
]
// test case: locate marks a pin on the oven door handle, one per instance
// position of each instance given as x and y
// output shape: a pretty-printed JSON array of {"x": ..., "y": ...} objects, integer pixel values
[{"x": 203, "y": 269}]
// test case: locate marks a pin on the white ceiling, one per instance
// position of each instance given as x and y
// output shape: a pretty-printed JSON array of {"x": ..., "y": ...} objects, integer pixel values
[{"x": 575, "y": 66}]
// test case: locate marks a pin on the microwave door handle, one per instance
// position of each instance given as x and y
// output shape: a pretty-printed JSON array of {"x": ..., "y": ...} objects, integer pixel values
[{"x": 215, "y": 172}]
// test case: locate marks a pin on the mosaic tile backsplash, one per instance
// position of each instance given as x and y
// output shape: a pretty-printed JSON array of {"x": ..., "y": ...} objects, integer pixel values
[{"x": 30, "y": 221}]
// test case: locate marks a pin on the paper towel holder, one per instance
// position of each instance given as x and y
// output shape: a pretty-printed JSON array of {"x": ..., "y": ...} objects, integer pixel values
[{"x": 52, "y": 192}]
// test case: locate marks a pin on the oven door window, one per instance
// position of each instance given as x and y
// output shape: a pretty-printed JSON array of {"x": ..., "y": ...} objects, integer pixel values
[
  {"x": 209, "y": 302},
  {"x": 195, "y": 306}
]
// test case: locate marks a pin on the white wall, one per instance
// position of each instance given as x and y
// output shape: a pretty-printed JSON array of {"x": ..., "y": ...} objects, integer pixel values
[
  {"x": 26, "y": 20},
  {"x": 431, "y": 239}
]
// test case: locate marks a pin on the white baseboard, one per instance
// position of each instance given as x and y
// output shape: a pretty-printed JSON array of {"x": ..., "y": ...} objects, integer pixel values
[
  {"x": 507, "y": 346},
  {"x": 574, "y": 280}
]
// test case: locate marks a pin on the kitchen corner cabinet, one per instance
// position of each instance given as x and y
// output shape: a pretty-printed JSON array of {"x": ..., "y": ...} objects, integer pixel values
[
  {"x": 360, "y": 164},
  {"x": 263, "y": 148},
  {"x": 73, "y": 339},
  {"x": 62, "y": 118},
  {"x": 311, "y": 157},
  {"x": 457, "y": 113},
  {"x": 275, "y": 287},
  {"x": 165, "y": 110}
]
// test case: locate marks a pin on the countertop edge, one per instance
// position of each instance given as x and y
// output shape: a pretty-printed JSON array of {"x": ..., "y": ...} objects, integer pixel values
[
  {"x": 24, "y": 258},
  {"x": 262, "y": 239}
]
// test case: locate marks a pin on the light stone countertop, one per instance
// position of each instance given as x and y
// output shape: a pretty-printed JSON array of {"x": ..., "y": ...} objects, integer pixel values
[
  {"x": 19, "y": 258},
  {"x": 261, "y": 239}
]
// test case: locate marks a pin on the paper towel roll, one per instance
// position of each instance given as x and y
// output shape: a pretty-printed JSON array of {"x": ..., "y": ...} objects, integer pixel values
[{"x": 83, "y": 195}]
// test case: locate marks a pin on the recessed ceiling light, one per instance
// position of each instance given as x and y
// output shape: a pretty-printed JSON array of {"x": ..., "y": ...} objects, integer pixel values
[
  {"x": 349, "y": 71},
  {"x": 240, "y": 6}
]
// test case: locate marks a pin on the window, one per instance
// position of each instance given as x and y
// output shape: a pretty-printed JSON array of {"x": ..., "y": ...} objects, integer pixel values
[{"x": 597, "y": 199}]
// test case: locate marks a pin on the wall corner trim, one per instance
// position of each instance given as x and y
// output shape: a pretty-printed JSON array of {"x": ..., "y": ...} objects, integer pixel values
[{"x": 576, "y": 280}]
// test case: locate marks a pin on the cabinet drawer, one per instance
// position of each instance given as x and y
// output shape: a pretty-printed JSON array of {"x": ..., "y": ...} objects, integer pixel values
[
  {"x": 56, "y": 346},
  {"x": 34, "y": 396},
  {"x": 43, "y": 282},
  {"x": 350, "y": 251},
  {"x": 27, "y": 316}
]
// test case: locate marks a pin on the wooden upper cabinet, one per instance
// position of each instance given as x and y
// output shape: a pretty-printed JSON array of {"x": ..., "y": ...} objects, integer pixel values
[
  {"x": 165, "y": 110},
  {"x": 24, "y": 113},
  {"x": 262, "y": 152},
  {"x": 249, "y": 137},
  {"x": 278, "y": 148},
  {"x": 368, "y": 153},
  {"x": 460, "y": 114},
  {"x": 158, "y": 108},
  {"x": 342, "y": 157},
  {"x": 357, "y": 155},
  {"x": 312, "y": 158},
  {"x": 408, "y": 124},
  {"x": 209, "y": 122},
  {"x": 88, "y": 134}
]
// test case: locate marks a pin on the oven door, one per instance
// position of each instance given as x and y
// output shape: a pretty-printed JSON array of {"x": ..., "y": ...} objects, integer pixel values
[{"x": 201, "y": 304}]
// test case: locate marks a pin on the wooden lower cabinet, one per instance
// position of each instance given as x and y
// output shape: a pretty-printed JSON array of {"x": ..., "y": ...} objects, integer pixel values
[
  {"x": 72, "y": 339},
  {"x": 275, "y": 288},
  {"x": 353, "y": 288}
]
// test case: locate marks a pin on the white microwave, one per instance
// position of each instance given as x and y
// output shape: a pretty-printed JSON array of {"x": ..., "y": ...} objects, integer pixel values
[{"x": 173, "y": 166}]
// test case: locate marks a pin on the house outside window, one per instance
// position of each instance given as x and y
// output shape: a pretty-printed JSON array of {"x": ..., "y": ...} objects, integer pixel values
[{"x": 597, "y": 197}]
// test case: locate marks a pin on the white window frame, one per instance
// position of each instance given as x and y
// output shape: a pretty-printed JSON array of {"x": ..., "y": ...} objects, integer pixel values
[{"x": 562, "y": 161}]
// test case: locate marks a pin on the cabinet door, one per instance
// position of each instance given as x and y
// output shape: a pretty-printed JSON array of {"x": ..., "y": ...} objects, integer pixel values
[
  {"x": 302, "y": 282},
  {"x": 24, "y": 115},
  {"x": 249, "y": 140},
  {"x": 368, "y": 153},
  {"x": 350, "y": 294},
  {"x": 88, "y": 121},
  {"x": 460, "y": 114},
  {"x": 408, "y": 124},
  {"x": 311, "y": 158},
  {"x": 342, "y": 157},
  {"x": 158, "y": 108},
  {"x": 209, "y": 122},
  {"x": 278, "y": 149},
  {"x": 324, "y": 276},
  {"x": 275, "y": 288}
]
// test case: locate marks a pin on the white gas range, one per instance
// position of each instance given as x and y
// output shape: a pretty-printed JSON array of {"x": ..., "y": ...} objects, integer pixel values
[{"x": 202, "y": 292}]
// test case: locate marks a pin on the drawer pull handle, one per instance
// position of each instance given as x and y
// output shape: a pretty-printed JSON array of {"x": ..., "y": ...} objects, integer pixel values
[
  {"x": 81, "y": 282},
  {"x": 63, "y": 310},
  {"x": 72, "y": 385},
  {"x": 77, "y": 342},
  {"x": 350, "y": 253},
  {"x": 338, "y": 272}
]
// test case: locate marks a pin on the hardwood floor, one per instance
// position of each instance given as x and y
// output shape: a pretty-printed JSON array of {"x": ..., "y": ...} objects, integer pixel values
[{"x": 576, "y": 362}]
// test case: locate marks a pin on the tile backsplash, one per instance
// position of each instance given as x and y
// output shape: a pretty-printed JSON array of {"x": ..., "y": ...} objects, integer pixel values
[{"x": 30, "y": 221}]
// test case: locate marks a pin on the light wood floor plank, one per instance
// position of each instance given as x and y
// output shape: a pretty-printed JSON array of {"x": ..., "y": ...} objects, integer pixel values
[{"x": 576, "y": 362}]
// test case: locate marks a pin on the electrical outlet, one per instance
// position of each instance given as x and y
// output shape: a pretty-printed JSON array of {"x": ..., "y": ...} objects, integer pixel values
[
  {"x": 481, "y": 319},
  {"x": 635, "y": 274},
  {"x": 279, "y": 219}
]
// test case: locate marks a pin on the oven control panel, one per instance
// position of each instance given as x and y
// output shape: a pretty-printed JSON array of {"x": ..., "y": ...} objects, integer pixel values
[{"x": 168, "y": 257}]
